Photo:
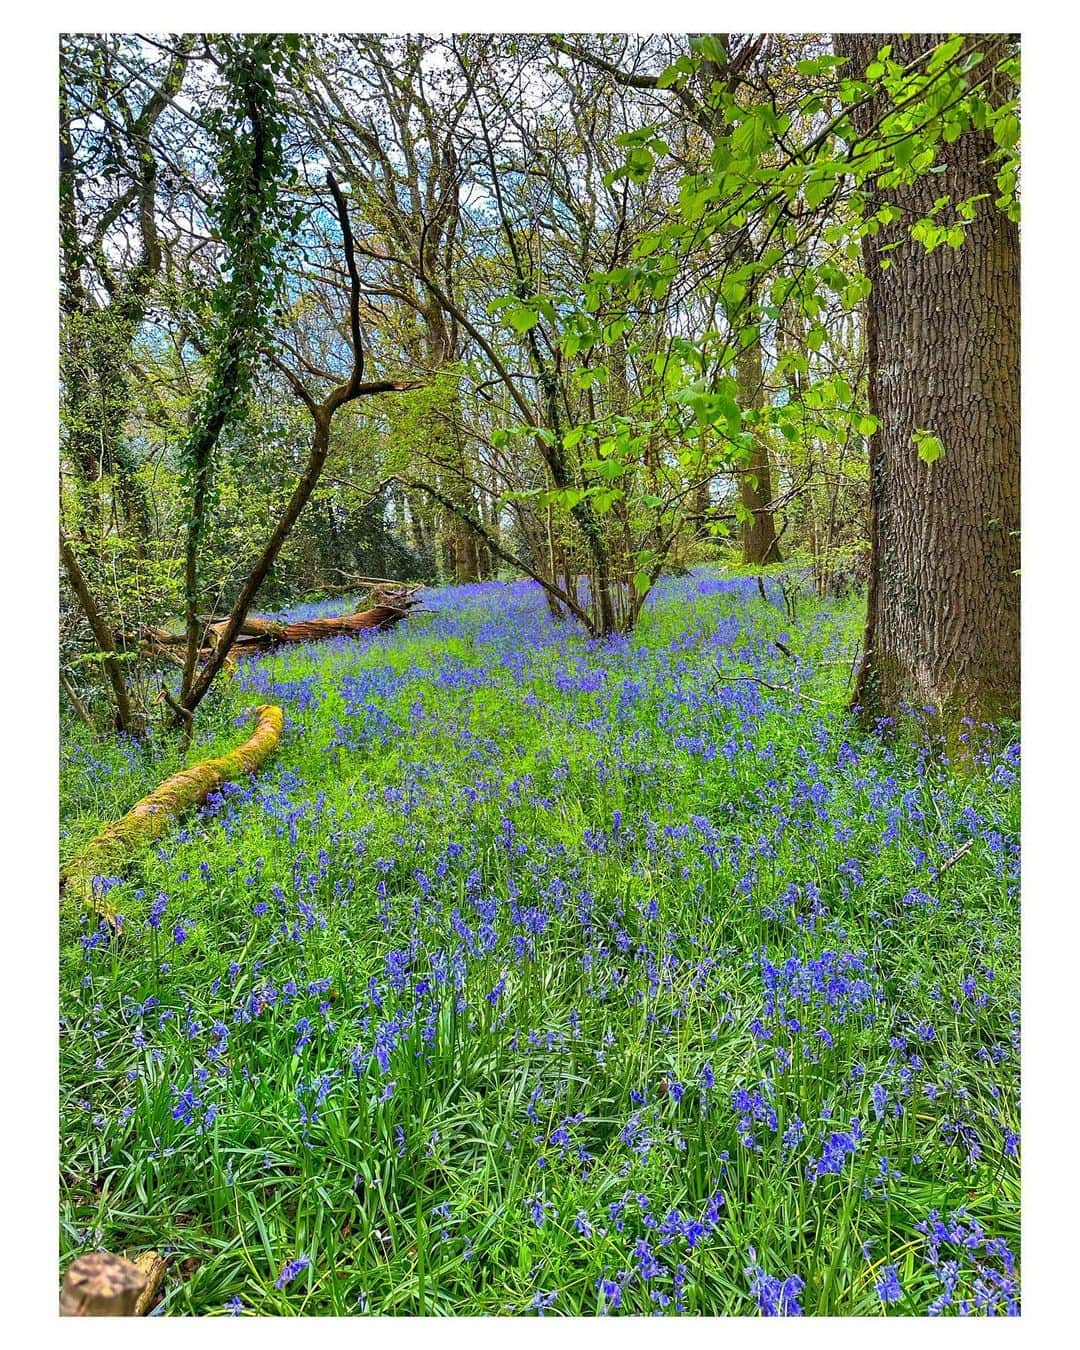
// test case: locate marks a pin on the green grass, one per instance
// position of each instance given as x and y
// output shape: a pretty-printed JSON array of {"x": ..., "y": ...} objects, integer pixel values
[{"x": 594, "y": 862}]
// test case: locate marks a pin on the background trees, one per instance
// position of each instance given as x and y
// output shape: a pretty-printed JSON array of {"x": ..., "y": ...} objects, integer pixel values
[{"x": 640, "y": 302}]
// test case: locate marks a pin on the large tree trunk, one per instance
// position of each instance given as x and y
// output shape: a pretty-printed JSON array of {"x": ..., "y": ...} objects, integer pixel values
[{"x": 943, "y": 627}]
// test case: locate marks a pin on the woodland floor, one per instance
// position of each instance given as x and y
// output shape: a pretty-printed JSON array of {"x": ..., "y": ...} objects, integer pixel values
[{"x": 536, "y": 974}]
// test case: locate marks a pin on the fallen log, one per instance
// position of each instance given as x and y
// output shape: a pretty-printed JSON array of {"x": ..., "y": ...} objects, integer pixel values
[
  {"x": 256, "y": 634},
  {"x": 147, "y": 819}
]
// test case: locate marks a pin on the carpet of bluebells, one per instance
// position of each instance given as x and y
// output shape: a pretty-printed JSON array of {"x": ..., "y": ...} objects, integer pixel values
[{"x": 537, "y": 975}]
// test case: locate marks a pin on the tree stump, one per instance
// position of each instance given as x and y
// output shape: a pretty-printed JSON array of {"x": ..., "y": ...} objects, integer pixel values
[{"x": 101, "y": 1285}]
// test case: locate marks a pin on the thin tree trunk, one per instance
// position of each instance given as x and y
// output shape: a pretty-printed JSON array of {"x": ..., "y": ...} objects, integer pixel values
[
  {"x": 126, "y": 719},
  {"x": 755, "y": 480},
  {"x": 76, "y": 702}
]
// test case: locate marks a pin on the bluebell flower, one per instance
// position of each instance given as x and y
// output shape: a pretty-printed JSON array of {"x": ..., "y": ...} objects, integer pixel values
[
  {"x": 290, "y": 1270},
  {"x": 543, "y": 1301},
  {"x": 775, "y": 1297},
  {"x": 888, "y": 1287},
  {"x": 611, "y": 1291}
]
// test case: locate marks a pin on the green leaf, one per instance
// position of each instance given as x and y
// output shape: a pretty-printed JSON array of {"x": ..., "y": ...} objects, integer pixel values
[
  {"x": 615, "y": 329},
  {"x": 928, "y": 446},
  {"x": 1007, "y": 131},
  {"x": 590, "y": 375},
  {"x": 521, "y": 318},
  {"x": 604, "y": 500},
  {"x": 639, "y": 163},
  {"x": 710, "y": 46},
  {"x": 817, "y": 189}
]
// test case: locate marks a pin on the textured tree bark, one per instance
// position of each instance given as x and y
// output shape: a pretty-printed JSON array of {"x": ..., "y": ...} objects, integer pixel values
[
  {"x": 755, "y": 481},
  {"x": 153, "y": 1267},
  {"x": 943, "y": 624},
  {"x": 148, "y": 818}
]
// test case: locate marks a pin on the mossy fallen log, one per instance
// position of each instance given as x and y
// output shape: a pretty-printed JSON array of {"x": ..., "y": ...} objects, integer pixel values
[{"x": 147, "y": 819}]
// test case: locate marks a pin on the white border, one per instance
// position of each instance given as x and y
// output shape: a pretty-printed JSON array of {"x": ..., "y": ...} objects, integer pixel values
[{"x": 1051, "y": 615}]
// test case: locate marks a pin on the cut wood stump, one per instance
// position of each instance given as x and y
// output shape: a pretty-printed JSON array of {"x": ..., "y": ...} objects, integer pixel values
[
  {"x": 100, "y": 1284},
  {"x": 147, "y": 819}
]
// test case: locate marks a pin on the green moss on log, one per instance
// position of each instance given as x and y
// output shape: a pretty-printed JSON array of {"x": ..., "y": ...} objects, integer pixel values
[{"x": 107, "y": 852}]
